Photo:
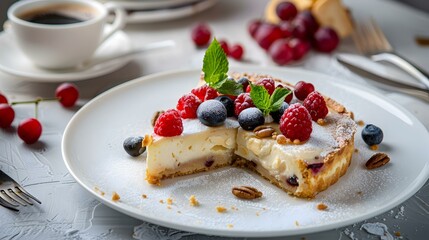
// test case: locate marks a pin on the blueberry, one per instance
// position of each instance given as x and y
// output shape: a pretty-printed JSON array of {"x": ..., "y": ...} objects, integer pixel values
[
  {"x": 212, "y": 113},
  {"x": 278, "y": 114},
  {"x": 250, "y": 118},
  {"x": 228, "y": 103},
  {"x": 372, "y": 135},
  {"x": 244, "y": 81},
  {"x": 293, "y": 181},
  {"x": 133, "y": 146}
]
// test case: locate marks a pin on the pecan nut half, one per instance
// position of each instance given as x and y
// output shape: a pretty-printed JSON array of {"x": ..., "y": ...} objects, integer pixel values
[
  {"x": 246, "y": 192},
  {"x": 263, "y": 131},
  {"x": 377, "y": 160},
  {"x": 155, "y": 117}
]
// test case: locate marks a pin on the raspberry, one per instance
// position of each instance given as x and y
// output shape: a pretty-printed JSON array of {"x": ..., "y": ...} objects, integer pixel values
[
  {"x": 267, "y": 83},
  {"x": 242, "y": 102},
  {"x": 169, "y": 124},
  {"x": 188, "y": 105},
  {"x": 302, "y": 89},
  {"x": 205, "y": 93},
  {"x": 296, "y": 123},
  {"x": 316, "y": 105}
]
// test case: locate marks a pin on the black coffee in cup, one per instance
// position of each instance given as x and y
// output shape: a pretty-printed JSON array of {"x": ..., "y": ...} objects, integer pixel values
[{"x": 58, "y": 14}]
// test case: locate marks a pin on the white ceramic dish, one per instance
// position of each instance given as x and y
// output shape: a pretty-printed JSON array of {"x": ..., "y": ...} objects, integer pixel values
[
  {"x": 149, "y": 4},
  {"x": 92, "y": 150},
  {"x": 13, "y": 61},
  {"x": 167, "y": 14}
]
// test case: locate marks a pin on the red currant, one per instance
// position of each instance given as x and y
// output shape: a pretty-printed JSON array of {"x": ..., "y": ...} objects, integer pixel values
[
  {"x": 3, "y": 99},
  {"x": 302, "y": 89},
  {"x": 201, "y": 34},
  {"x": 67, "y": 94},
  {"x": 267, "y": 34},
  {"x": 236, "y": 52},
  {"x": 299, "y": 47},
  {"x": 253, "y": 27},
  {"x": 280, "y": 52},
  {"x": 7, "y": 114},
  {"x": 30, "y": 130},
  {"x": 286, "y": 11},
  {"x": 326, "y": 40}
]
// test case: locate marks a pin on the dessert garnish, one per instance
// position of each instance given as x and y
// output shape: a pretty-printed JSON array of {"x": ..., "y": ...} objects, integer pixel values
[
  {"x": 372, "y": 135},
  {"x": 246, "y": 192},
  {"x": 295, "y": 123},
  {"x": 134, "y": 146},
  {"x": 377, "y": 160}
]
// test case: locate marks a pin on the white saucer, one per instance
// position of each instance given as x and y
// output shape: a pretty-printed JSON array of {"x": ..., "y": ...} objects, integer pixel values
[
  {"x": 139, "y": 12},
  {"x": 13, "y": 62},
  {"x": 149, "y": 4}
]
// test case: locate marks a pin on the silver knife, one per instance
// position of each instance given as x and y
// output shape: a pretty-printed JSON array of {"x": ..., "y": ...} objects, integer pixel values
[{"x": 386, "y": 83}]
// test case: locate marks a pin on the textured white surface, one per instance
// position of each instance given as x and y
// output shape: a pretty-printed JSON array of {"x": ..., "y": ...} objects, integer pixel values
[{"x": 69, "y": 212}]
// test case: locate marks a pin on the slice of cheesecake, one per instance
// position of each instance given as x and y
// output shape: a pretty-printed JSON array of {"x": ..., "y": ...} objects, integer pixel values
[
  {"x": 302, "y": 169},
  {"x": 199, "y": 148}
]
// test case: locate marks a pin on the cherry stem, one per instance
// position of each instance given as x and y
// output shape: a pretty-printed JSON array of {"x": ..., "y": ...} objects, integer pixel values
[{"x": 36, "y": 102}]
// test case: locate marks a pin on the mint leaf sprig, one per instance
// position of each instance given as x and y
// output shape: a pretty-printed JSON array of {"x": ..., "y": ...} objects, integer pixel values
[
  {"x": 266, "y": 103},
  {"x": 215, "y": 68}
]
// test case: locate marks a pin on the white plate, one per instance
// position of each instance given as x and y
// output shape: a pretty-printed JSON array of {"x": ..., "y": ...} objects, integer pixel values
[
  {"x": 92, "y": 150},
  {"x": 167, "y": 14},
  {"x": 150, "y": 4},
  {"x": 13, "y": 61}
]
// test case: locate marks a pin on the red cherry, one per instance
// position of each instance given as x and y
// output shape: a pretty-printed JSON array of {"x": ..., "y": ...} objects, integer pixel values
[
  {"x": 309, "y": 20},
  {"x": 300, "y": 29},
  {"x": 7, "y": 114},
  {"x": 3, "y": 99},
  {"x": 302, "y": 89},
  {"x": 201, "y": 34},
  {"x": 287, "y": 29},
  {"x": 267, "y": 34},
  {"x": 224, "y": 45},
  {"x": 253, "y": 27},
  {"x": 67, "y": 94},
  {"x": 286, "y": 10},
  {"x": 280, "y": 52},
  {"x": 236, "y": 52},
  {"x": 30, "y": 130},
  {"x": 326, "y": 40},
  {"x": 300, "y": 48}
]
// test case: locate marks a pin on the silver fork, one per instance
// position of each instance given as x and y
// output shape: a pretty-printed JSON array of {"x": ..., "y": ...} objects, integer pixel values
[
  {"x": 12, "y": 194},
  {"x": 372, "y": 42}
]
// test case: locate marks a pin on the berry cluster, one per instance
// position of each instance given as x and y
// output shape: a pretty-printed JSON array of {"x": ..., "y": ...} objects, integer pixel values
[
  {"x": 293, "y": 37},
  {"x": 30, "y": 130},
  {"x": 201, "y": 36},
  {"x": 212, "y": 109}
]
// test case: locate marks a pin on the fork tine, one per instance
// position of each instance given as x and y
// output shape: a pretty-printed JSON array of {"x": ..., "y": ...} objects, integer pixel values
[
  {"x": 5, "y": 198},
  {"x": 27, "y": 194},
  {"x": 13, "y": 198},
  {"x": 8, "y": 205},
  {"x": 357, "y": 33},
  {"x": 22, "y": 198}
]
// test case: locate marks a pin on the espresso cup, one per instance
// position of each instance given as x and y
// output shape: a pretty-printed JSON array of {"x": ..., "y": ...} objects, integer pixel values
[{"x": 60, "y": 34}]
